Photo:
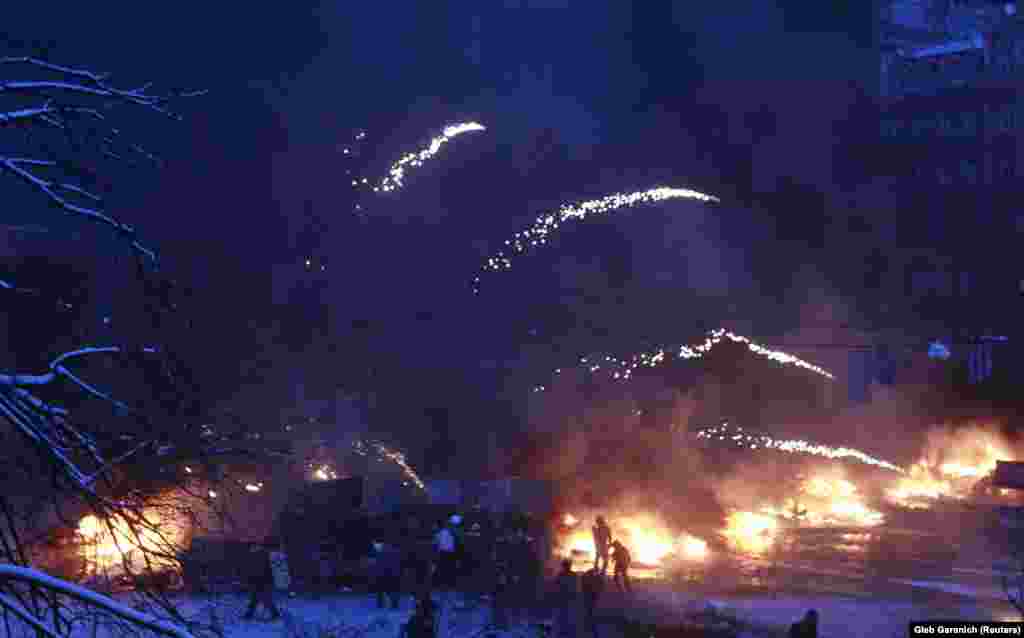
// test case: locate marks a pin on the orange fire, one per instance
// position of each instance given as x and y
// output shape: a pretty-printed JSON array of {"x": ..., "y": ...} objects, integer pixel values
[
  {"x": 824, "y": 500},
  {"x": 751, "y": 532},
  {"x": 107, "y": 549},
  {"x": 953, "y": 464},
  {"x": 830, "y": 500},
  {"x": 650, "y": 542}
]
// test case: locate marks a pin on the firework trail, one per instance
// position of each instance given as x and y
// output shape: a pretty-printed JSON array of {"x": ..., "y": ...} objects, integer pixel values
[
  {"x": 386, "y": 453},
  {"x": 548, "y": 223},
  {"x": 622, "y": 369},
  {"x": 794, "y": 446},
  {"x": 395, "y": 177}
]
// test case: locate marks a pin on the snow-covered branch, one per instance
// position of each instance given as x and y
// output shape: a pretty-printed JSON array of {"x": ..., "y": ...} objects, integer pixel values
[
  {"x": 90, "y": 83},
  {"x": 34, "y": 577},
  {"x": 15, "y": 608},
  {"x": 20, "y": 167}
]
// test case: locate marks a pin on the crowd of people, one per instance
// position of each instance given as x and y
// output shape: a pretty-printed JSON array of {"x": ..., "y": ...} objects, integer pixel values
[{"x": 504, "y": 564}]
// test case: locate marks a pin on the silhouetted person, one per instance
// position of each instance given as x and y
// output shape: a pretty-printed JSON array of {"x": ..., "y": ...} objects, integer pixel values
[
  {"x": 593, "y": 587},
  {"x": 566, "y": 588},
  {"x": 423, "y": 623},
  {"x": 416, "y": 557},
  {"x": 502, "y": 580},
  {"x": 807, "y": 627},
  {"x": 387, "y": 574},
  {"x": 622, "y": 560},
  {"x": 261, "y": 581},
  {"x": 447, "y": 554},
  {"x": 602, "y": 540}
]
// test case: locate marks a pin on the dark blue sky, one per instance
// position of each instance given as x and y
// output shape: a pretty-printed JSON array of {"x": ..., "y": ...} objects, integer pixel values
[{"x": 582, "y": 98}]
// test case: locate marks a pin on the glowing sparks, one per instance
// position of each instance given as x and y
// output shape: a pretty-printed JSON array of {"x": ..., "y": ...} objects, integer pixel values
[
  {"x": 548, "y": 223},
  {"x": 569, "y": 520},
  {"x": 395, "y": 178},
  {"x": 623, "y": 369},
  {"x": 324, "y": 473},
  {"x": 793, "y": 446},
  {"x": 394, "y": 456},
  {"x": 751, "y": 532}
]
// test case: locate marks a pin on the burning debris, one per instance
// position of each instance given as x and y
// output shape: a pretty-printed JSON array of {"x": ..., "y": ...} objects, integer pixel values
[
  {"x": 751, "y": 532},
  {"x": 116, "y": 547},
  {"x": 954, "y": 464},
  {"x": 650, "y": 541}
]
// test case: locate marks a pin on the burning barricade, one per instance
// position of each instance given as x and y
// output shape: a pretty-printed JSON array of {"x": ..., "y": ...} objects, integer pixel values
[{"x": 654, "y": 547}]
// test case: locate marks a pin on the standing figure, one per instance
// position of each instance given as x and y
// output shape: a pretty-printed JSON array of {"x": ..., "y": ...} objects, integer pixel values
[
  {"x": 423, "y": 623},
  {"x": 806, "y": 627},
  {"x": 502, "y": 580},
  {"x": 387, "y": 574},
  {"x": 602, "y": 539},
  {"x": 593, "y": 587},
  {"x": 447, "y": 556},
  {"x": 622, "y": 560},
  {"x": 261, "y": 581},
  {"x": 566, "y": 588}
]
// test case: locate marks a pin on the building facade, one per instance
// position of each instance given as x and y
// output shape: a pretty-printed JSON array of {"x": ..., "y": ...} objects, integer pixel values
[{"x": 951, "y": 128}]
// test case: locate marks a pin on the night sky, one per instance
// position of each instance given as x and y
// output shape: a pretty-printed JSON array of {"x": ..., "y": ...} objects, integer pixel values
[{"x": 745, "y": 100}]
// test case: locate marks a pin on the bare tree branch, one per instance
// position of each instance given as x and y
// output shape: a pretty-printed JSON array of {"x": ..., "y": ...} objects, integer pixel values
[{"x": 34, "y": 577}]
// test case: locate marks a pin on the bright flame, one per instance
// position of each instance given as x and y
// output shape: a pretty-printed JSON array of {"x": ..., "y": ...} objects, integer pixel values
[
  {"x": 548, "y": 223},
  {"x": 650, "y": 542},
  {"x": 107, "y": 548},
  {"x": 953, "y": 464},
  {"x": 751, "y": 532},
  {"x": 829, "y": 500},
  {"x": 694, "y": 548},
  {"x": 793, "y": 446},
  {"x": 396, "y": 174}
]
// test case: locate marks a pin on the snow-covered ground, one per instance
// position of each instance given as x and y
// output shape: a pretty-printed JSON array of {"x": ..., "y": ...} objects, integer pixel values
[{"x": 357, "y": 616}]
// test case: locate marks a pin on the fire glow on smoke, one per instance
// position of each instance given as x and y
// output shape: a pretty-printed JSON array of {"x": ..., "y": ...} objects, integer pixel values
[
  {"x": 650, "y": 542},
  {"x": 952, "y": 466},
  {"x": 109, "y": 546}
]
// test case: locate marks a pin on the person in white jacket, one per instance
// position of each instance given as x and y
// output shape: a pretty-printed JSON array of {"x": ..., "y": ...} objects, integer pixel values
[{"x": 447, "y": 558}]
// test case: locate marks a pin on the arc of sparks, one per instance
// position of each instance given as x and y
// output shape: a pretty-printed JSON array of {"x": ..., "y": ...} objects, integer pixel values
[
  {"x": 395, "y": 177},
  {"x": 538, "y": 233},
  {"x": 793, "y": 446},
  {"x": 623, "y": 369},
  {"x": 396, "y": 457}
]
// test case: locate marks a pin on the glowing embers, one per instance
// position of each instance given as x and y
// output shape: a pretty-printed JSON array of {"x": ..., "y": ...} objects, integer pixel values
[
  {"x": 623, "y": 369},
  {"x": 113, "y": 546},
  {"x": 537, "y": 234},
  {"x": 323, "y": 472},
  {"x": 395, "y": 178},
  {"x": 384, "y": 453},
  {"x": 736, "y": 436}
]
